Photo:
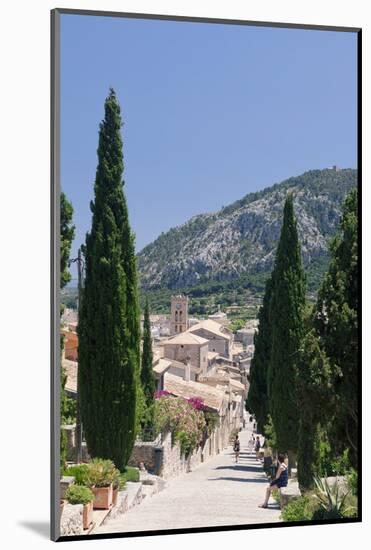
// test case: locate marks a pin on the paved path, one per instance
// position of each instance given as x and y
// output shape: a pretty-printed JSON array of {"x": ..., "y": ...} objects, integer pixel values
[{"x": 216, "y": 493}]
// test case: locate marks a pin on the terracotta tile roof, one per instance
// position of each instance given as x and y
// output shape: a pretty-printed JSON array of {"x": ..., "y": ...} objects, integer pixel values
[
  {"x": 212, "y": 397},
  {"x": 211, "y": 326},
  {"x": 185, "y": 338}
]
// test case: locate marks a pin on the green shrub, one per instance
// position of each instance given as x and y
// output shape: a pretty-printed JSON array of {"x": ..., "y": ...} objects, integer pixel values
[
  {"x": 276, "y": 494},
  {"x": 352, "y": 481},
  {"x": 325, "y": 458},
  {"x": 332, "y": 502},
  {"x": 77, "y": 494},
  {"x": 185, "y": 442},
  {"x": 101, "y": 472},
  {"x": 129, "y": 474},
  {"x": 298, "y": 510},
  {"x": 341, "y": 465},
  {"x": 212, "y": 421},
  {"x": 80, "y": 473},
  {"x": 236, "y": 325}
]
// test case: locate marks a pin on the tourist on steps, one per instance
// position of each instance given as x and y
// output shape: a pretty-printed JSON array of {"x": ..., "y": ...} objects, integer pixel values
[
  {"x": 257, "y": 446},
  {"x": 279, "y": 481},
  {"x": 236, "y": 448}
]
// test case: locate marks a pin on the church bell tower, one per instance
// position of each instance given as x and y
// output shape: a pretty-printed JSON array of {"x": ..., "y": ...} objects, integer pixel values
[{"x": 179, "y": 314}]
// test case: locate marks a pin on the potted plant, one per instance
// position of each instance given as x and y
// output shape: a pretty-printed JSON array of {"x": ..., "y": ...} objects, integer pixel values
[
  {"x": 115, "y": 486},
  {"x": 80, "y": 472},
  {"x": 101, "y": 477},
  {"x": 78, "y": 494}
]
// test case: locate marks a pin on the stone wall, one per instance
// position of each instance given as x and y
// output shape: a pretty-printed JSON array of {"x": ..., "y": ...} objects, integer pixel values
[
  {"x": 144, "y": 452},
  {"x": 70, "y": 431},
  {"x": 218, "y": 344},
  {"x": 71, "y": 520},
  {"x": 173, "y": 463}
]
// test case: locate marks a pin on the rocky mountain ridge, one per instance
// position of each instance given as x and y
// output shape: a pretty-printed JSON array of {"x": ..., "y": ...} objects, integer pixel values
[{"x": 242, "y": 237}]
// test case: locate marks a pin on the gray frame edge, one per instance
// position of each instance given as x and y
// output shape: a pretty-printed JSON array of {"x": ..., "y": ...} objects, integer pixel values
[
  {"x": 195, "y": 19},
  {"x": 55, "y": 274}
]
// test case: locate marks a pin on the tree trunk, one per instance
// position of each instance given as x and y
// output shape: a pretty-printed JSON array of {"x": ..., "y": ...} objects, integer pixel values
[{"x": 292, "y": 460}]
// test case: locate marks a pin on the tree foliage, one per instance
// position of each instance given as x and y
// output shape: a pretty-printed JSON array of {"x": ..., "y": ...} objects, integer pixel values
[
  {"x": 147, "y": 376},
  {"x": 314, "y": 394},
  {"x": 67, "y": 236},
  {"x": 336, "y": 324},
  {"x": 67, "y": 233},
  {"x": 257, "y": 399},
  {"x": 286, "y": 317},
  {"x": 109, "y": 330}
]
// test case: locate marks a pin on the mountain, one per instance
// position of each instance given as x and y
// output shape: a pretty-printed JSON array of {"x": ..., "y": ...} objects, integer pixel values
[{"x": 241, "y": 238}]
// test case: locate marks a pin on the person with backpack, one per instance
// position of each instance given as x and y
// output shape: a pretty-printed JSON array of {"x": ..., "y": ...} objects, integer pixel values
[{"x": 236, "y": 448}]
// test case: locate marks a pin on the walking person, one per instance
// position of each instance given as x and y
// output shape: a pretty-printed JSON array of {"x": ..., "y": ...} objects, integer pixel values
[
  {"x": 236, "y": 448},
  {"x": 257, "y": 446},
  {"x": 279, "y": 481}
]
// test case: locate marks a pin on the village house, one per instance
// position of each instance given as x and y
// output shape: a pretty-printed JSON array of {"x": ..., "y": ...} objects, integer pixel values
[
  {"x": 187, "y": 346},
  {"x": 71, "y": 342},
  {"x": 219, "y": 337},
  {"x": 70, "y": 368},
  {"x": 246, "y": 336},
  {"x": 219, "y": 317}
]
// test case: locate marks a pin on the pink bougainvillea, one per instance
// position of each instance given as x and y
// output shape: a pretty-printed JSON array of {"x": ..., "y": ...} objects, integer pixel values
[
  {"x": 197, "y": 403},
  {"x": 161, "y": 393},
  {"x": 182, "y": 419}
]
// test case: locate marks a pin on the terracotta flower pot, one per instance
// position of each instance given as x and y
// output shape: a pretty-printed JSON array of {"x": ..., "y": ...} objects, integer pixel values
[
  {"x": 115, "y": 494},
  {"x": 102, "y": 497},
  {"x": 87, "y": 515}
]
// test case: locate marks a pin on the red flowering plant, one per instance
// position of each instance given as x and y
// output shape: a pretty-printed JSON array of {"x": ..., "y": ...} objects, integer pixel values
[
  {"x": 182, "y": 419},
  {"x": 197, "y": 403},
  {"x": 211, "y": 417},
  {"x": 161, "y": 393}
]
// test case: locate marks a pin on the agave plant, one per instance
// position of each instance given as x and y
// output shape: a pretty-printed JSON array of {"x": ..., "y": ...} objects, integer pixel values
[{"x": 332, "y": 500}]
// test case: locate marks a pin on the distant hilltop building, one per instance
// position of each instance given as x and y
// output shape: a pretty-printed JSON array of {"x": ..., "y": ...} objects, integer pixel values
[
  {"x": 336, "y": 168},
  {"x": 179, "y": 314},
  {"x": 219, "y": 317}
]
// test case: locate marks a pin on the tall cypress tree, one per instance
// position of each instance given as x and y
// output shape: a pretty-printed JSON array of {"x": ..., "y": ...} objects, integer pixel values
[
  {"x": 109, "y": 330},
  {"x": 147, "y": 376},
  {"x": 314, "y": 393},
  {"x": 286, "y": 315},
  {"x": 337, "y": 325},
  {"x": 257, "y": 399}
]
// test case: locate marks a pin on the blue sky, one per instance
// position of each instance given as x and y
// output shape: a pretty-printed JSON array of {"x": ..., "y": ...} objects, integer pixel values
[{"x": 211, "y": 112}]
